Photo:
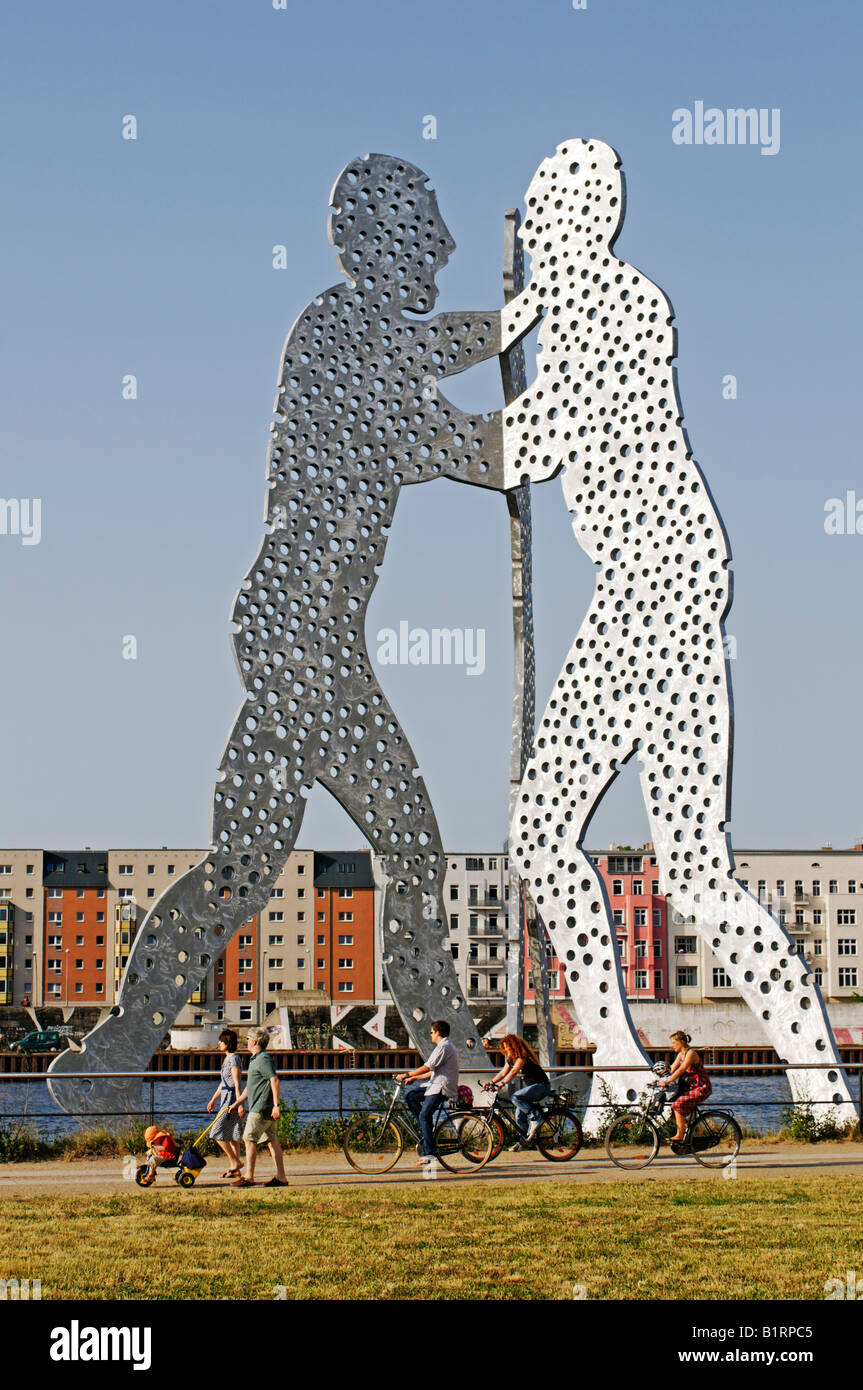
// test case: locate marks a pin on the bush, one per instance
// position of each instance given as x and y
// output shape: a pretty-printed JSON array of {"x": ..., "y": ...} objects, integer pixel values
[
  {"x": 21, "y": 1143},
  {"x": 804, "y": 1125}
]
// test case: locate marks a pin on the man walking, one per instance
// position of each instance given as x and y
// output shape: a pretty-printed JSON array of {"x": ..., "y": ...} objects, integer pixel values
[
  {"x": 262, "y": 1094},
  {"x": 442, "y": 1068}
]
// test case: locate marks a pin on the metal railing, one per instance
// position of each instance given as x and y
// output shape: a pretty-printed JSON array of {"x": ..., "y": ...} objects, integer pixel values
[{"x": 148, "y": 1110}]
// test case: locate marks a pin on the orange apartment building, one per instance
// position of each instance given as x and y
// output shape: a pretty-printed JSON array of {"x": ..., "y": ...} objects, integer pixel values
[
  {"x": 78, "y": 931},
  {"x": 344, "y": 926}
]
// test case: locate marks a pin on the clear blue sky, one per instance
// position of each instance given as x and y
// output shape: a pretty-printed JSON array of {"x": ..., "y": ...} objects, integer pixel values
[{"x": 154, "y": 257}]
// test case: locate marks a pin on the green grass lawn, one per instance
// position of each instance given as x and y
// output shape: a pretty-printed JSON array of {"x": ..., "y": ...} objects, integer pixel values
[{"x": 759, "y": 1239}]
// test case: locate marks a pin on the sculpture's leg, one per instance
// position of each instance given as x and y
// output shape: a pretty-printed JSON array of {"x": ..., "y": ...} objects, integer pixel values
[
  {"x": 255, "y": 827},
  {"x": 576, "y": 759},
  {"x": 376, "y": 780},
  {"x": 686, "y": 795}
]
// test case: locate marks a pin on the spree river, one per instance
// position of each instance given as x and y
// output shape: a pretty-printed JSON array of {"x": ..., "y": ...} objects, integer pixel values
[{"x": 757, "y": 1101}]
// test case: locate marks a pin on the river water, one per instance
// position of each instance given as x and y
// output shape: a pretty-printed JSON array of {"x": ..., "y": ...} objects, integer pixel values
[{"x": 757, "y": 1101}]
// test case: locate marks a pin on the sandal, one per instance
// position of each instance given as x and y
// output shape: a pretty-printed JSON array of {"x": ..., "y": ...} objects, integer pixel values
[
  {"x": 232, "y": 1173},
  {"x": 243, "y": 1182}
]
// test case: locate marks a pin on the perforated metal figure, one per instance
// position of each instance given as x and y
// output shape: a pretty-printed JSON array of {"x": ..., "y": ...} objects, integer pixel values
[
  {"x": 647, "y": 672},
  {"x": 358, "y": 415}
]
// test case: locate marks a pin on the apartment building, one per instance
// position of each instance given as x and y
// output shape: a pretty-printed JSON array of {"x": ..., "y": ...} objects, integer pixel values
[
  {"x": 817, "y": 895},
  {"x": 21, "y": 925},
  {"x": 640, "y": 915},
  {"x": 77, "y": 932}
]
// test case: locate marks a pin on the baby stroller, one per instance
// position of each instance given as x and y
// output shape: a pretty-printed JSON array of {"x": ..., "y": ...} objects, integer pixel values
[{"x": 189, "y": 1164}]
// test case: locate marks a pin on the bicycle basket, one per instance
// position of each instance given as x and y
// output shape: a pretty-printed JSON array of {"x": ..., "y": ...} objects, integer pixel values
[{"x": 563, "y": 1097}]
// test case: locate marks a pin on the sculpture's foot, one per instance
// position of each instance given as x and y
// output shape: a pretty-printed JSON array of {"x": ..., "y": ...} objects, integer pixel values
[
  {"x": 114, "y": 1099},
  {"x": 826, "y": 1089}
]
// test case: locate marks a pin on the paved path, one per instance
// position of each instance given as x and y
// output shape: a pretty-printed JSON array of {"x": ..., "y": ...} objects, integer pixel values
[{"x": 756, "y": 1161}]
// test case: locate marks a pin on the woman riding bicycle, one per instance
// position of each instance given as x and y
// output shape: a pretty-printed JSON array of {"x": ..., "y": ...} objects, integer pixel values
[
  {"x": 695, "y": 1083},
  {"x": 521, "y": 1060}
]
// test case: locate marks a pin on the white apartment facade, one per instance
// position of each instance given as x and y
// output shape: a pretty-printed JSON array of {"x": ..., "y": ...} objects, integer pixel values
[{"x": 817, "y": 895}]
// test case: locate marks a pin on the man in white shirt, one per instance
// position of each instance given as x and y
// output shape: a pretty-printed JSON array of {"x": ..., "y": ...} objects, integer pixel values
[{"x": 442, "y": 1068}]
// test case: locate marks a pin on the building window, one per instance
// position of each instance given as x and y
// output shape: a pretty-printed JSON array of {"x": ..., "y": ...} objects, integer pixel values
[
  {"x": 657, "y": 916},
  {"x": 818, "y": 974},
  {"x": 687, "y": 976},
  {"x": 473, "y": 865},
  {"x": 346, "y": 962},
  {"x": 552, "y": 980},
  {"x": 322, "y": 964},
  {"x": 245, "y": 942},
  {"x": 762, "y": 887},
  {"x": 151, "y": 892},
  {"x": 782, "y": 916},
  {"x": 798, "y": 887},
  {"x": 616, "y": 887},
  {"x": 278, "y": 893},
  {"x": 453, "y": 892},
  {"x": 780, "y": 887},
  {"x": 301, "y": 892},
  {"x": 453, "y": 921},
  {"x": 454, "y": 950},
  {"x": 322, "y": 940},
  {"x": 619, "y": 917},
  {"x": 245, "y": 1013},
  {"x": 151, "y": 868},
  {"x": 640, "y": 950},
  {"x": 345, "y": 986},
  {"x": 641, "y": 917},
  {"x": 346, "y": 916},
  {"x": 657, "y": 980},
  {"x": 276, "y": 963},
  {"x": 833, "y": 886},
  {"x": 301, "y": 868},
  {"x": 847, "y": 976},
  {"x": 125, "y": 892},
  {"x": 124, "y": 868},
  {"x": 816, "y": 888},
  {"x": 721, "y": 978},
  {"x": 818, "y": 946},
  {"x": 301, "y": 964},
  {"x": 492, "y": 984},
  {"x": 244, "y": 987},
  {"x": 638, "y": 887},
  {"x": 276, "y": 940},
  {"x": 55, "y": 892},
  {"x": 846, "y": 917},
  {"x": 100, "y": 916},
  {"x": 346, "y": 892},
  {"x": 657, "y": 946},
  {"x": 277, "y": 916},
  {"x": 346, "y": 940},
  {"x": 685, "y": 944},
  {"x": 847, "y": 946},
  {"x": 100, "y": 989},
  {"x": 852, "y": 885},
  {"x": 641, "y": 979},
  {"x": 274, "y": 986}
]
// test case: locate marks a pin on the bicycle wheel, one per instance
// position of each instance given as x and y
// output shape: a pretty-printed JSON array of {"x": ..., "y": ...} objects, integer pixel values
[
  {"x": 373, "y": 1144},
  {"x": 498, "y": 1137},
  {"x": 714, "y": 1139},
  {"x": 559, "y": 1136},
  {"x": 632, "y": 1140},
  {"x": 463, "y": 1142}
]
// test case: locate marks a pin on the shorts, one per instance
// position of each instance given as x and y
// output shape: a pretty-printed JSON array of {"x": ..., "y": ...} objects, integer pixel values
[{"x": 260, "y": 1130}]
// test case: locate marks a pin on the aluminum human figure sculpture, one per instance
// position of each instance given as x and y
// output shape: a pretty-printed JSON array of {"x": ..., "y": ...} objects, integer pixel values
[
  {"x": 358, "y": 416},
  {"x": 647, "y": 672}
]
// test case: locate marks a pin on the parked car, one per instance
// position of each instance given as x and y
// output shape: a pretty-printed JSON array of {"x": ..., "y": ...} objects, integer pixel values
[{"x": 48, "y": 1040}]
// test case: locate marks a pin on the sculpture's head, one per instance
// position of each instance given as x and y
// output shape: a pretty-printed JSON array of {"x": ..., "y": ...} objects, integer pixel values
[
  {"x": 576, "y": 197},
  {"x": 388, "y": 231}
]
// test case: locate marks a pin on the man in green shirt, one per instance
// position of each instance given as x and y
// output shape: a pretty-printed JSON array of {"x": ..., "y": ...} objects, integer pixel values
[{"x": 262, "y": 1094}]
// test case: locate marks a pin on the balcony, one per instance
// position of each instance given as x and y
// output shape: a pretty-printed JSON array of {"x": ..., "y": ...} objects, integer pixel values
[
  {"x": 486, "y": 964},
  {"x": 487, "y": 900},
  {"x": 486, "y": 930}
]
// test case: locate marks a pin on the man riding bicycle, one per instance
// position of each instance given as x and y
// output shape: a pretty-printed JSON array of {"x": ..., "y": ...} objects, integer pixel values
[{"x": 424, "y": 1100}]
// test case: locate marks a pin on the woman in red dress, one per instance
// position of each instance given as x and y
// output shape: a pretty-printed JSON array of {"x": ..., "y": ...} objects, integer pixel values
[{"x": 695, "y": 1083}]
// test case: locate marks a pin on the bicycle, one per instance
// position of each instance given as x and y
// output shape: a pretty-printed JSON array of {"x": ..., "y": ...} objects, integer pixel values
[
  {"x": 375, "y": 1142},
  {"x": 559, "y": 1136},
  {"x": 712, "y": 1137}
]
